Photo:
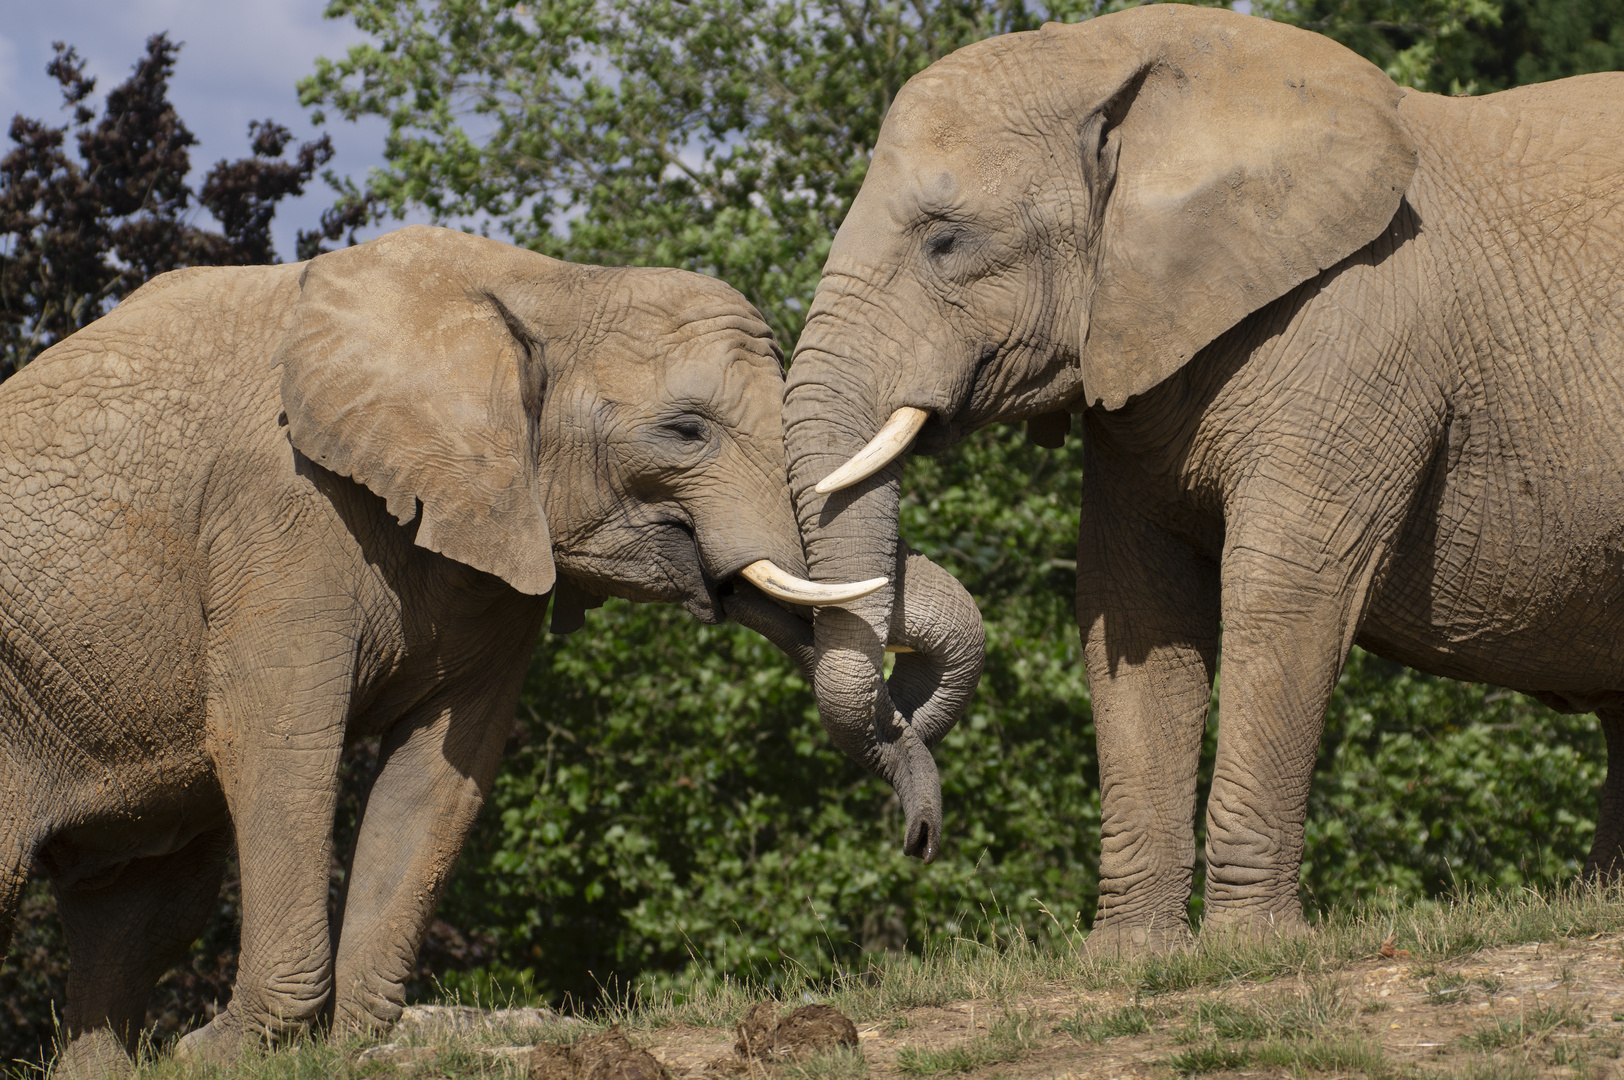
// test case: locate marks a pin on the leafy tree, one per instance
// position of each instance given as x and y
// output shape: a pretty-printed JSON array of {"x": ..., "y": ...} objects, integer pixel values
[
  {"x": 727, "y": 136},
  {"x": 669, "y": 803},
  {"x": 77, "y": 236},
  {"x": 1469, "y": 46}
]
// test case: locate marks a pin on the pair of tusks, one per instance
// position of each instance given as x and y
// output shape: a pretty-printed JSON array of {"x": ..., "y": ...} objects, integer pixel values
[{"x": 892, "y": 439}]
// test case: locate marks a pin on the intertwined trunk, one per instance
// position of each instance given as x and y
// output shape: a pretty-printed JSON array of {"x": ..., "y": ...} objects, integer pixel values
[{"x": 849, "y": 535}]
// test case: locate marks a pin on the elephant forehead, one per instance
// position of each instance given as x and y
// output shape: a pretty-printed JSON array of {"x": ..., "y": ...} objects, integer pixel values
[
  {"x": 975, "y": 90},
  {"x": 668, "y": 299},
  {"x": 738, "y": 390}
]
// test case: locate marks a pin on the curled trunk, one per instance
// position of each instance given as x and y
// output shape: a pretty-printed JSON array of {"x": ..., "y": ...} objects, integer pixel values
[
  {"x": 930, "y": 685},
  {"x": 851, "y": 535}
]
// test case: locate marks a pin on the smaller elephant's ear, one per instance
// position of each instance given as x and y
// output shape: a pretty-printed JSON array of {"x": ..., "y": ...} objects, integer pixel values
[
  {"x": 1226, "y": 159},
  {"x": 412, "y": 368}
]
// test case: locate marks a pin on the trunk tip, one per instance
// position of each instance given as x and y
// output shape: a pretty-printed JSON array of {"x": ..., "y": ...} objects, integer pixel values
[{"x": 923, "y": 841}]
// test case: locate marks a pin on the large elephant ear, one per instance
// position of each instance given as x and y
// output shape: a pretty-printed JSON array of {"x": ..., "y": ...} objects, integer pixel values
[
  {"x": 1226, "y": 160},
  {"x": 412, "y": 368}
]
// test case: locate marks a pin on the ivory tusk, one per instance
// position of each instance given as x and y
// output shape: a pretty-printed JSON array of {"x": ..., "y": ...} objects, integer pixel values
[
  {"x": 891, "y": 440},
  {"x": 899, "y": 648},
  {"x": 779, "y": 585}
]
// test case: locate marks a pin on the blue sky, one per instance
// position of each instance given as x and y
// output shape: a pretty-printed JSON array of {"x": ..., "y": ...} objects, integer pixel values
[{"x": 239, "y": 63}]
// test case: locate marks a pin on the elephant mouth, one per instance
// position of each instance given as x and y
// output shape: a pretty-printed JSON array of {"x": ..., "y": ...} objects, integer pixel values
[
  {"x": 667, "y": 565},
  {"x": 693, "y": 587},
  {"x": 662, "y": 566}
]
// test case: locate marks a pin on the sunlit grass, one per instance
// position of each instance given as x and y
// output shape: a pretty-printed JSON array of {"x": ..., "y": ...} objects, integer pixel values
[{"x": 1304, "y": 1031}]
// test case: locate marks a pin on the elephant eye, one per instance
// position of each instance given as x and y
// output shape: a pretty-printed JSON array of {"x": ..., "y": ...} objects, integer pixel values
[
  {"x": 686, "y": 428},
  {"x": 942, "y": 243}
]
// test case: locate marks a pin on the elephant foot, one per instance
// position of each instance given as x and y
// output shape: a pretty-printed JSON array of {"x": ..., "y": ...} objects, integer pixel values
[
  {"x": 1225, "y": 923},
  {"x": 219, "y": 1042},
  {"x": 372, "y": 1018},
  {"x": 1120, "y": 939},
  {"x": 94, "y": 1055}
]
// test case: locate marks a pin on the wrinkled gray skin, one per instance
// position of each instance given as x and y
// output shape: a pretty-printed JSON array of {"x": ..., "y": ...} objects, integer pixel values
[
  {"x": 1349, "y": 364},
  {"x": 254, "y": 515}
]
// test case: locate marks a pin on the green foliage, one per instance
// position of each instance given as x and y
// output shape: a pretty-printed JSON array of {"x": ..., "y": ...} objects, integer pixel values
[
  {"x": 76, "y": 236},
  {"x": 676, "y": 800},
  {"x": 675, "y": 803},
  {"x": 673, "y": 815},
  {"x": 1468, "y": 46},
  {"x": 1424, "y": 784}
]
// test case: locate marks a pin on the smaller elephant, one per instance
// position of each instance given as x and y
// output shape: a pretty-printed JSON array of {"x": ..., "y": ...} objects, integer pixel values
[{"x": 254, "y": 515}]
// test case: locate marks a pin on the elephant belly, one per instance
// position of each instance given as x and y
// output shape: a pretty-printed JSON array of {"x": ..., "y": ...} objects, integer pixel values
[
  {"x": 1515, "y": 583},
  {"x": 103, "y": 736},
  {"x": 146, "y": 819}
]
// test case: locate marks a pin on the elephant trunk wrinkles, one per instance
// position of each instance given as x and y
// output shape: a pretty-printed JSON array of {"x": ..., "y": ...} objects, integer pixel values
[{"x": 852, "y": 534}]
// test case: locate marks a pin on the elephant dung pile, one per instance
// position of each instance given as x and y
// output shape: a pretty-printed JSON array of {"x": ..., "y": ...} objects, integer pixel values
[
  {"x": 811, "y": 1029},
  {"x": 763, "y": 1037},
  {"x": 608, "y": 1055}
]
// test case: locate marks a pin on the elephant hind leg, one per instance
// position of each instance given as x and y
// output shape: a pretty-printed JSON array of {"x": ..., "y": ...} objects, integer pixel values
[
  {"x": 17, "y": 850},
  {"x": 123, "y": 936},
  {"x": 1606, "y": 862}
]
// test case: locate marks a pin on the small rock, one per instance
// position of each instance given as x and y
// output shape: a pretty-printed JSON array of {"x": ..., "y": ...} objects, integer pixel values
[{"x": 455, "y": 1019}]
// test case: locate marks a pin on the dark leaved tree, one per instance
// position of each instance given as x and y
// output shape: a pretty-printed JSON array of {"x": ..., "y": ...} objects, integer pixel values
[{"x": 78, "y": 235}]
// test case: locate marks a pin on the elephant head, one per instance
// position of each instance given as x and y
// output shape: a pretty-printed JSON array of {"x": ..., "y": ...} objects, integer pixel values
[
  {"x": 1054, "y": 220},
  {"x": 616, "y": 431}
]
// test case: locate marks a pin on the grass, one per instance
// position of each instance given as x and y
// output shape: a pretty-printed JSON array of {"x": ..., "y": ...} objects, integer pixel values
[
  {"x": 1298, "y": 1031},
  {"x": 1007, "y": 1040},
  {"x": 1100, "y": 1027},
  {"x": 1528, "y": 1028},
  {"x": 841, "y": 1063},
  {"x": 1307, "y": 1030},
  {"x": 1321, "y": 1005},
  {"x": 1329, "y": 1055},
  {"x": 1448, "y": 989},
  {"x": 1212, "y": 1057}
]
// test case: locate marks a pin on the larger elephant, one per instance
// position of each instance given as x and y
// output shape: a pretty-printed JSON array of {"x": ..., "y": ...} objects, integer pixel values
[
  {"x": 1348, "y": 360},
  {"x": 254, "y": 515}
]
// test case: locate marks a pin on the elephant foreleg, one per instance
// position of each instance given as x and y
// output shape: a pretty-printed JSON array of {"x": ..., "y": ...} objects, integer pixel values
[
  {"x": 1287, "y": 631},
  {"x": 1148, "y": 608},
  {"x": 1606, "y": 860},
  {"x": 432, "y": 778},
  {"x": 277, "y": 722}
]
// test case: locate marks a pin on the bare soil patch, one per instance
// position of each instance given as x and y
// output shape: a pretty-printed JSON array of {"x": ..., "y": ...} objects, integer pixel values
[{"x": 1546, "y": 1009}]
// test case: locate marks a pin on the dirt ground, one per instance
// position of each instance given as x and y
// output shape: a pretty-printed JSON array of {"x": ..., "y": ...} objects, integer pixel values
[{"x": 1550, "y": 1009}]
